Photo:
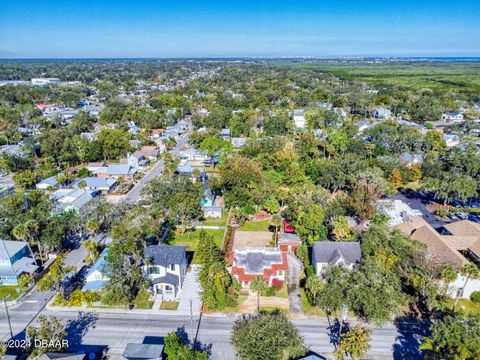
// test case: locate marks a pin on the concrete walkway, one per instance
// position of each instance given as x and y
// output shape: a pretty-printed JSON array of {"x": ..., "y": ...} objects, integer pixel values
[
  {"x": 190, "y": 293},
  {"x": 295, "y": 269}
]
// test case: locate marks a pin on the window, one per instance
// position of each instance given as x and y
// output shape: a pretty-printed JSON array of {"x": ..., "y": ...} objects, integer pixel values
[
  {"x": 172, "y": 267},
  {"x": 153, "y": 270}
]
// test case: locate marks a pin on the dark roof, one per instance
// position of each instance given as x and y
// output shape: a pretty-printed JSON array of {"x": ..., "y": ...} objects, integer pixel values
[
  {"x": 331, "y": 251},
  {"x": 165, "y": 255},
  {"x": 143, "y": 351},
  {"x": 169, "y": 278}
]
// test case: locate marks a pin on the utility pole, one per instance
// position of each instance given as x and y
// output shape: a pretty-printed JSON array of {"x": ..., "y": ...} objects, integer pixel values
[
  {"x": 191, "y": 322},
  {"x": 8, "y": 316}
]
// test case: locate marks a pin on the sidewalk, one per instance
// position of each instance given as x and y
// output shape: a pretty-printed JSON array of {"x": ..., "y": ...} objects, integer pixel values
[{"x": 190, "y": 292}]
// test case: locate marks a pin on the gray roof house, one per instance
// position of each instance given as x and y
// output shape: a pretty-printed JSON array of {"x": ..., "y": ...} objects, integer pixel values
[
  {"x": 71, "y": 199},
  {"x": 337, "y": 253},
  {"x": 120, "y": 171},
  {"x": 408, "y": 159},
  {"x": 165, "y": 267},
  {"x": 382, "y": 113},
  {"x": 143, "y": 352},
  {"x": 96, "y": 184},
  {"x": 48, "y": 183},
  {"x": 15, "y": 259}
]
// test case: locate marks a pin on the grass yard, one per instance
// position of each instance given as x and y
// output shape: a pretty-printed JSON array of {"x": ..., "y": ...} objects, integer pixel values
[
  {"x": 236, "y": 309},
  {"x": 414, "y": 185},
  {"x": 9, "y": 291},
  {"x": 169, "y": 305},
  {"x": 255, "y": 226},
  {"x": 190, "y": 238},
  {"x": 217, "y": 222},
  {"x": 283, "y": 292},
  {"x": 467, "y": 305}
]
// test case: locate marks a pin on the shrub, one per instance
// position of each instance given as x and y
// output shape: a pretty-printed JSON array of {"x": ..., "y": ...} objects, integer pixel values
[
  {"x": 475, "y": 297},
  {"x": 277, "y": 284},
  {"x": 441, "y": 212},
  {"x": 269, "y": 291}
]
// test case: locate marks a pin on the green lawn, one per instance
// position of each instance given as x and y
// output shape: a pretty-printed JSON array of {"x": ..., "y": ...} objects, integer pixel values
[
  {"x": 442, "y": 76},
  {"x": 190, "y": 238},
  {"x": 217, "y": 222},
  {"x": 466, "y": 305},
  {"x": 283, "y": 292},
  {"x": 9, "y": 291},
  {"x": 255, "y": 226},
  {"x": 414, "y": 185},
  {"x": 241, "y": 299},
  {"x": 169, "y": 305}
]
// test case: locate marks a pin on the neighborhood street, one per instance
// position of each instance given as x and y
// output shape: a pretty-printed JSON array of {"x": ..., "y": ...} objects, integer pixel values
[
  {"x": 114, "y": 331},
  {"x": 134, "y": 193}
]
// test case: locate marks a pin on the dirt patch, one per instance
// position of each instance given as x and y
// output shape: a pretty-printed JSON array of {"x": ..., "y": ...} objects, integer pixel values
[
  {"x": 244, "y": 239},
  {"x": 249, "y": 306}
]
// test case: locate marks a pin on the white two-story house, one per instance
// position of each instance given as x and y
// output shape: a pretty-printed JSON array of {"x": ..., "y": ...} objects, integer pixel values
[
  {"x": 337, "y": 253},
  {"x": 165, "y": 266}
]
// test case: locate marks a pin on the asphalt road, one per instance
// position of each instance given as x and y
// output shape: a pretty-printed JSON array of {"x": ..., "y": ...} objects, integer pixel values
[
  {"x": 135, "y": 193},
  {"x": 112, "y": 332}
]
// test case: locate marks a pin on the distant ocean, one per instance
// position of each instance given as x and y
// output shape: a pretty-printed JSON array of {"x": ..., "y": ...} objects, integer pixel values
[{"x": 257, "y": 58}]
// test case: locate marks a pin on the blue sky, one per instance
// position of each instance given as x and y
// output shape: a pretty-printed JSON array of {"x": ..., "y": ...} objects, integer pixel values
[{"x": 229, "y": 28}]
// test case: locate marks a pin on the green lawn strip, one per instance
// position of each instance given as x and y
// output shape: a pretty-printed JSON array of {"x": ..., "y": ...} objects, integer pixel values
[
  {"x": 255, "y": 225},
  {"x": 169, "y": 305},
  {"x": 9, "y": 291}
]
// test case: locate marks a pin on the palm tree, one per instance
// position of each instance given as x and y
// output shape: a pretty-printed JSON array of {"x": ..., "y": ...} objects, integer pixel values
[
  {"x": 258, "y": 285},
  {"x": 276, "y": 222},
  {"x": 27, "y": 232},
  {"x": 92, "y": 226},
  {"x": 448, "y": 275},
  {"x": 93, "y": 251},
  {"x": 470, "y": 271}
]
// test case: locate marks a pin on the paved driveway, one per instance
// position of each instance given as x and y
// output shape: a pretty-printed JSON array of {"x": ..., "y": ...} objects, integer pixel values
[
  {"x": 190, "y": 293},
  {"x": 295, "y": 269}
]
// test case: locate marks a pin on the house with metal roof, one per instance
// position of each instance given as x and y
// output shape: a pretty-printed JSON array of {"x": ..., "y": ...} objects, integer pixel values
[
  {"x": 48, "y": 183},
  {"x": 346, "y": 254},
  {"x": 72, "y": 199},
  {"x": 382, "y": 113},
  {"x": 409, "y": 159},
  {"x": 104, "y": 185},
  {"x": 16, "y": 259},
  {"x": 116, "y": 171},
  {"x": 96, "y": 278},
  {"x": 165, "y": 266},
  {"x": 143, "y": 352}
]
